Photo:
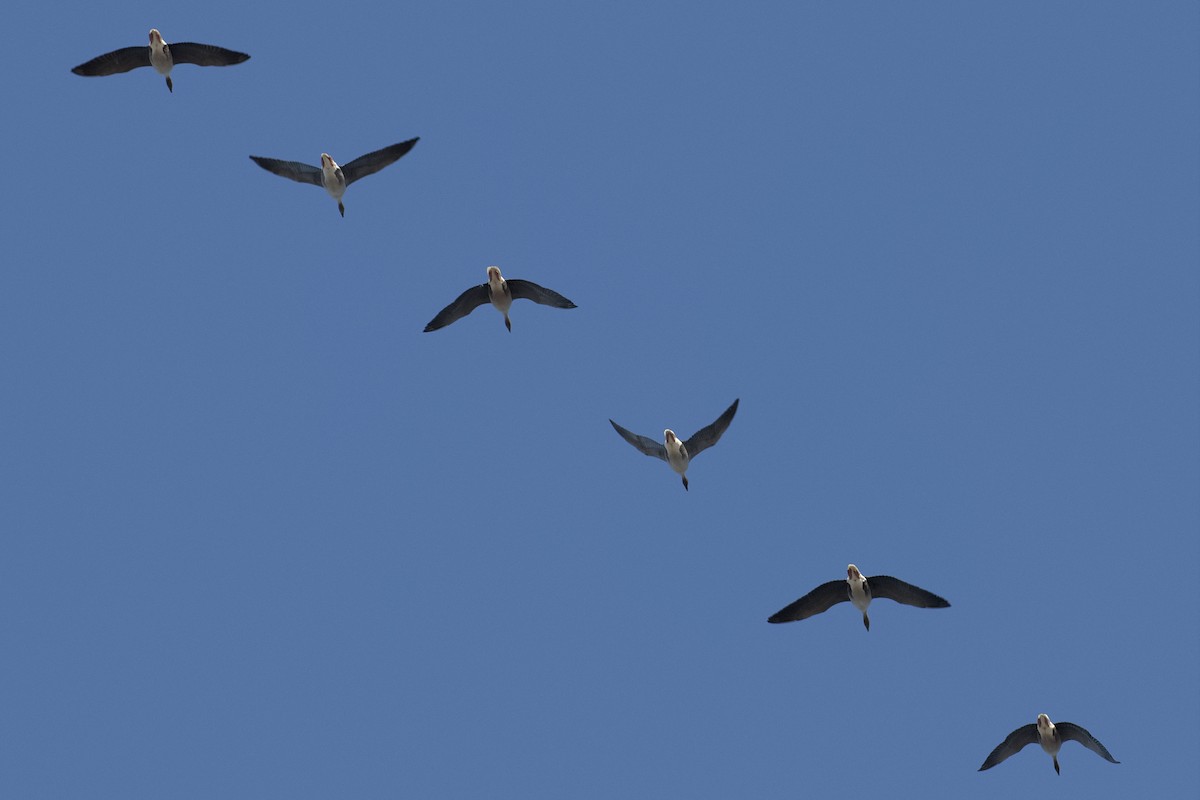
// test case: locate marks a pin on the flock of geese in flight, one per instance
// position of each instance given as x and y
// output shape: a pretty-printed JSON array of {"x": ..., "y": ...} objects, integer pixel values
[{"x": 500, "y": 292}]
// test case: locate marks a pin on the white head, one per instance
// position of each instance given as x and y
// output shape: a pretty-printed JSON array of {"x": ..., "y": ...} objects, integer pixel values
[
  {"x": 155, "y": 37},
  {"x": 1044, "y": 724},
  {"x": 494, "y": 275},
  {"x": 669, "y": 436},
  {"x": 327, "y": 161},
  {"x": 853, "y": 574}
]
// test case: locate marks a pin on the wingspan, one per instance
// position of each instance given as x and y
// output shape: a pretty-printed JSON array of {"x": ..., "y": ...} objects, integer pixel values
[
  {"x": 122, "y": 60},
  {"x": 1017, "y": 740},
  {"x": 1071, "y": 731},
  {"x": 643, "y": 443},
  {"x": 906, "y": 593},
  {"x": 304, "y": 173},
  {"x": 203, "y": 55},
  {"x": 464, "y": 304},
  {"x": 538, "y": 294},
  {"x": 371, "y": 163},
  {"x": 707, "y": 436},
  {"x": 820, "y": 599}
]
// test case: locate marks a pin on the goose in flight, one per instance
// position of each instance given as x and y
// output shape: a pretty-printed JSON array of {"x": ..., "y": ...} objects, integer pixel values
[
  {"x": 161, "y": 56},
  {"x": 331, "y": 177},
  {"x": 860, "y": 590},
  {"x": 1051, "y": 737},
  {"x": 500, "y": 292},
  {"x": 680, "y": 453}
]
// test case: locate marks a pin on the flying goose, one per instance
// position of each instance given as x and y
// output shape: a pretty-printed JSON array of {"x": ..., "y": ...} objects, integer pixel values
[
  {"x": 161, "y": 56},
  {"x": 331, "y": 177},
  {"x": 1051, "y": 737},
  {"x": 676, "y": 453},
  {"x": 859, "y": 590},
  {"x": 500, "y": 292}
]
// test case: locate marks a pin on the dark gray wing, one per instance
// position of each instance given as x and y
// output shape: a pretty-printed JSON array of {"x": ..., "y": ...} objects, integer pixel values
[
  {"x": 371, "y": 163},
  {"x": 538, "y": 294},
  {"x": 305, "y": 173},
  {"x": 466, "y": 302},
  {"x": 1018, "y": 739},
  {"x": 1069, "y": 731},
  {"x": 906, "y": 593},
  {"x": 122, "y": 60},
  {"x": 707, "y": 436},
  {"x": 820, "y": 599},
  {"x": 204, "y": 55},
  {"x": 643, "y": 443}
]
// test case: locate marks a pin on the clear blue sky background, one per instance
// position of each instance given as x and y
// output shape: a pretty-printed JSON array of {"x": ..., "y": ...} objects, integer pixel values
[{"x": 264, "y": 538}]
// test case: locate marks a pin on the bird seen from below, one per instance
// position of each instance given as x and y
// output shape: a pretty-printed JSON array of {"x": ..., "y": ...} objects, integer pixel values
[
  {"x": 332, "y": 177},
  {"x": 679, "y": 454},
  {"x": 1051, "y": 737},
  {"x": 859, "y": 590},
  {"x": 500, "y": 292},
  {"x": 161, "y": 56}
]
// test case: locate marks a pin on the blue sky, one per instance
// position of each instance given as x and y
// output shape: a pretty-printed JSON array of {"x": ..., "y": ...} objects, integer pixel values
[{"x": 262, "y": 537}]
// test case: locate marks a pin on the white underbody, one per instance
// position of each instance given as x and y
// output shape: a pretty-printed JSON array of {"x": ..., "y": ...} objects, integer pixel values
[
  {"x": 677, "y": 454},
  {"x": 333, "y": 179},
  {"x": 858, "y": 593},
  {"x": 160, "y": 59},
  {"x": 1046, "y": 738},
  {"x": 499, "y": 295}
]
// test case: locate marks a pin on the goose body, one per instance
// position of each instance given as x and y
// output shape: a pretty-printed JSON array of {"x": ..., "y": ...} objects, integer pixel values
[
  {"x": 500, "y": 292},
  {"x": 677, "y": 453},
  {"x": 332, "y": 177},
  {"x": 1051, "y": 737},
  {"x": 859, "y": 590},
  {"x": 161, "y": 56}
]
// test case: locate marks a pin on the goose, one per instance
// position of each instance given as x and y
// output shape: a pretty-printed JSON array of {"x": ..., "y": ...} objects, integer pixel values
[
  {"x": 331, "y": 177},
  {"x": 859, "y": 590},
  {"x": 679, "y": 454},
  {"x": 161, "y": 56},
  {"x": 500, "y": 292},
  {"x": 1051, "y": 737}
]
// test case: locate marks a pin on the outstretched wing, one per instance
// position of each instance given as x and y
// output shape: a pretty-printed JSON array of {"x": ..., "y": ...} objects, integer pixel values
[
  {"x": 205, "y": 55},
  {"x": 538, "y": 294},
  {"x": 906, "y": 593},
  {"x": 122, "y": 60},
  {"x": 1072, "y": 732},
  {"x": 820, "y": 599},
  {"x": 643, "y": 443},
  {"x": 707, "y": 436},
  {"x": 1018, "y": 739},
  {"x": 304, "y": 173},
  {"x": 371, "y": 163},
  {"x": 464, "y": 304}
]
